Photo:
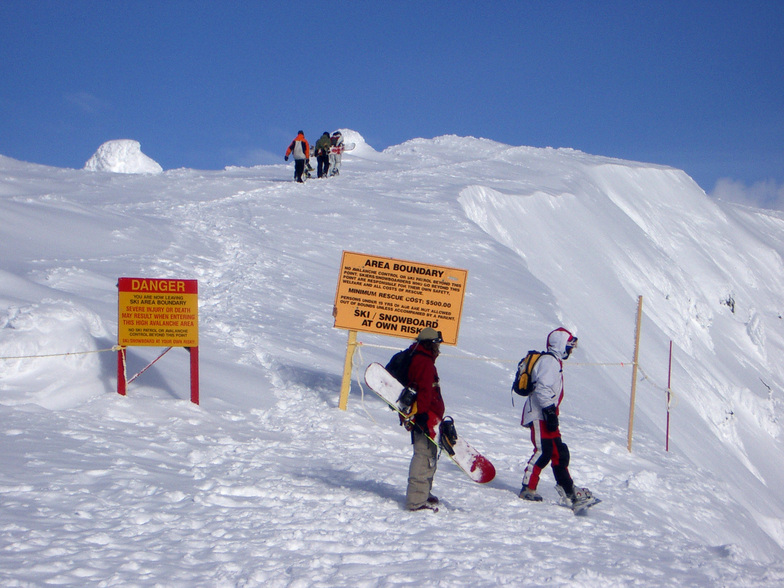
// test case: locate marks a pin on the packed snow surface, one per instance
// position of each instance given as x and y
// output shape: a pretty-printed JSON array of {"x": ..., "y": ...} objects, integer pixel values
[
  {"x": 267, "y": 482},
  {"x": 122, "y": 156}
]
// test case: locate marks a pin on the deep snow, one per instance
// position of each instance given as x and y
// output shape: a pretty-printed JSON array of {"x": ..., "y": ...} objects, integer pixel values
[{"x": 267, "y": 482}]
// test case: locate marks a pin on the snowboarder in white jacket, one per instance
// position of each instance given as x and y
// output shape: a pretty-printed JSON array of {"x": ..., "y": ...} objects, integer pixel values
[
  {"x": 335, "y": 153},
  {"x": 540, "y": 415}
]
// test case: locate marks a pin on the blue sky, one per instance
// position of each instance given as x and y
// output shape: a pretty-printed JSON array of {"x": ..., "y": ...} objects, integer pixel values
[{"x": 693, "y": 84}]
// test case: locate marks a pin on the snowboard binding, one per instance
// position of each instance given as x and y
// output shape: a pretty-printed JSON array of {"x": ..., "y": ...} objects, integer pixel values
[
  {"x": 448, "y": 435},
  {"x": 406, "y": 400}
]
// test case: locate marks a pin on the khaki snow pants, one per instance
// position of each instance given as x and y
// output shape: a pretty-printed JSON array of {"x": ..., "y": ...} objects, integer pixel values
[{"x": 421, "y": 471}]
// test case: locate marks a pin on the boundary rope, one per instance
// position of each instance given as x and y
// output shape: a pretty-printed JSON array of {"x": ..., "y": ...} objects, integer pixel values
[
  {"x": 358, "y": 361},
  {"x": 645, "y": 377},
  {"x": 115, "y": 348},
  {"x": 496, "y": 359}
]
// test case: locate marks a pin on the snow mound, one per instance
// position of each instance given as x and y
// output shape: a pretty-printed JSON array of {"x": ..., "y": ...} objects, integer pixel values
[
  {"x": 361, "y": 149},
  {"x": 50, "y": 351},
  {"x": 122, "y": 156}
]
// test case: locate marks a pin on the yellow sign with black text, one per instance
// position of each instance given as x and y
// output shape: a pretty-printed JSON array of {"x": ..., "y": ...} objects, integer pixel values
[
  {"x": 158, "y": 313},
  {"x": 398, "y": 298}
]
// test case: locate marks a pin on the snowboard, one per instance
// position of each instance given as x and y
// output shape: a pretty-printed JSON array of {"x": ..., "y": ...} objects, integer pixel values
[
  {"x": 342, "y": 148},
  {"x": 468, "y": 459},
  {"x": 306, "y": 175}
]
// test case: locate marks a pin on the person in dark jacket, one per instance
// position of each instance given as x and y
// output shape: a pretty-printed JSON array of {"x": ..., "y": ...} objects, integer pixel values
[
  {"x": 300, "y": 149},
  {"x": 426, "y": 417},
  {"x": 323, "y": 146}
]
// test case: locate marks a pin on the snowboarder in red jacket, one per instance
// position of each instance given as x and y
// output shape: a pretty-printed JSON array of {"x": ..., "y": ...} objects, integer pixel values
[{"x": 429, "y": 412}]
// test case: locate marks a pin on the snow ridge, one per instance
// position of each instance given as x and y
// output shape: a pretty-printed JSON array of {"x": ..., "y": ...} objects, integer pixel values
[{"x": 268, "y": 483}]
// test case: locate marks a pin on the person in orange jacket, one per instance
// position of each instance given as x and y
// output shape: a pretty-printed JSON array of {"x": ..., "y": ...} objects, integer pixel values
[{"x": 300, "y": 149}]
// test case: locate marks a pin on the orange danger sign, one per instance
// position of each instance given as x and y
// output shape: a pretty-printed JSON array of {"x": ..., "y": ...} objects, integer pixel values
[
  {"x": 397, "y": 297},
  {"x": 158, "y": 313}
]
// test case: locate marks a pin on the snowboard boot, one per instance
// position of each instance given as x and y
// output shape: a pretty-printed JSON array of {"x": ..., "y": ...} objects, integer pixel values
[
  {"x": 432, "y": 499},
  {"x": 528, "y": 494},
  {"x": 579, "y": 498},
  {"x": 565, "y": 498},
  {"x": 582, "y": 498}
]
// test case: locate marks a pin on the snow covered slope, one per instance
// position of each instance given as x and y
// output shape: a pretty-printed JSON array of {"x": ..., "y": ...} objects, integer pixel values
[{"x": 268, "y": 483}]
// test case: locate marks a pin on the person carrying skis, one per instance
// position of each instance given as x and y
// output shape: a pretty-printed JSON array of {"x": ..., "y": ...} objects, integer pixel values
[
  {"x": 300, "y": 149},
  {"x": 335, "y": 153},
  {"x": 323, "y": 146},
  {"x": 423, "y": 379},
  {"x": 540, "y": 415}
]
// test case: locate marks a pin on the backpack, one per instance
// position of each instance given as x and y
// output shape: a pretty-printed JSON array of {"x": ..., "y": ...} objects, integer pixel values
[
  {"x": 523, "y": 384},
  {"x": 398, "y": 365}
]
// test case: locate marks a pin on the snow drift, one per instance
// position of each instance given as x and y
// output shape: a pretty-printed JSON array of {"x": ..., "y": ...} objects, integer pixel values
[
  {"x": 268, "y": 483},
  {"x": 122, "y": 156}
]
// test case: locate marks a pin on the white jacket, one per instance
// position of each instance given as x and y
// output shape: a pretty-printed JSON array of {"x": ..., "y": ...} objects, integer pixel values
[
  {"x": 547, "y": 377},
  {"x": 299, "y": 150}
]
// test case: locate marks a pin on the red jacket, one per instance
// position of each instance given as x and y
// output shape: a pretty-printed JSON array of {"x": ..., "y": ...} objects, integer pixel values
[{"x": 423, "y": 378}]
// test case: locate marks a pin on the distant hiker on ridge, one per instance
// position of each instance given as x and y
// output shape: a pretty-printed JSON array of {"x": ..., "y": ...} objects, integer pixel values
[
  {"x": 540, "y": 415},
  {"x": 335, "y": 153},
  {"x": 301, "y": 150}
]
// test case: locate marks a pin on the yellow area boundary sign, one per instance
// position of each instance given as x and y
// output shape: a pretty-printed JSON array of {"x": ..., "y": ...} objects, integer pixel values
[
  {"x": 395, "y": 297},
  {"x": 156, "y": 312}
]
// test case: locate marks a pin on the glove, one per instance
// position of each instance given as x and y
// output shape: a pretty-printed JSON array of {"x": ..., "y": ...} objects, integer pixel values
[
  {"x": 427, "y": 423},
  {"x": 285, "y": 158},
  {"x": 420, "y": 422},
  {"x": 407, "y": 423},
  {"x": 550, "y": 415}
]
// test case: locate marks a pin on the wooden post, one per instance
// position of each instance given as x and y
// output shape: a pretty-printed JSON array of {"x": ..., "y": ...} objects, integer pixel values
[
  {"x": 635, "y": 365},
  {"x": 669, "y": 381},
  {"x": 347, "y": 367}
]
